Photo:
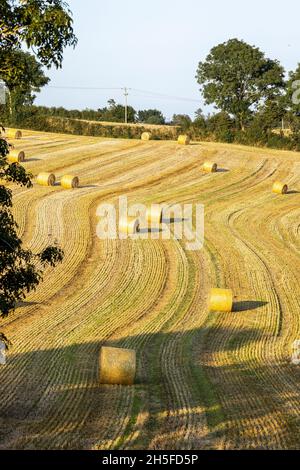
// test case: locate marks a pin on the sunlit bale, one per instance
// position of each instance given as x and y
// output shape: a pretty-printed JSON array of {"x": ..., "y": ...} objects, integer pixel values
[
  {"x": 279, "y": 188},
  {"x": 16, "y": 156},
  {"x": 129, "y": 225},
  {"x": 13, "y": 134},
  {"x": 209, "y": 167},
  {"x": 183, "y": 140},
  {"x": 69, "y": 182},
  {"x": 117, "y": 366},
  {"x": 46, "y": 179},
  {"x": 154, "y": 214},
  {"x": 220, "y": 300},
  {"x": 146, "y": 136}
]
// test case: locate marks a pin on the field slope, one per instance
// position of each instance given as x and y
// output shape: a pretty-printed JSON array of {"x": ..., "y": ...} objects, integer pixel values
[{"x": 205, "y": 380}]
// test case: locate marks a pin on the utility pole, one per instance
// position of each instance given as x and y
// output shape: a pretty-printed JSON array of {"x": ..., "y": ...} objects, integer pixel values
[{"x": 126, "y": 104}]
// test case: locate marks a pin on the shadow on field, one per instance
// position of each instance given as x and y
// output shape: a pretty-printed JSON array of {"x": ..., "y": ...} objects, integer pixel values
[
  {"x": 293, "y": 192},
  {"x": 52, "y": 398},
  {"x": 151, "y": 230},
  {"x": 89, "y": 186},
  {"x": 25, "y": 303},
  {"x": 222, "y": 170},
  {"x": 32, "y": 160},
  {"x": 246, "y": 305},
  {"x": 174, "y": 220}
]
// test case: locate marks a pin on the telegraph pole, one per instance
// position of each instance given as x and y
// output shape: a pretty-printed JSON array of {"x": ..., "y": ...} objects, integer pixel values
[{"x": 126, "y": 104}]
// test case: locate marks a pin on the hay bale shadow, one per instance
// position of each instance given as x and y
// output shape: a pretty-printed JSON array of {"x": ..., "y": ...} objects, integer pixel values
[
  {"x": 24, "y": 303},
  {"x": 151, "y": 230},
  {"x": 173, "y": 220},
  {"x": 245, "y": 305}
]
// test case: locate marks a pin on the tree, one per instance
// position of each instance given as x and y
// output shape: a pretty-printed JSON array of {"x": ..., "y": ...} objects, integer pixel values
[
  {"x": 45, "y": 25},
  {"x": 270, "y": 115},
  {"x": 292, "y": 99},
  {"x": 27, "y": 79},
  {"x": 151, "y": 116},
  {"x": 116, "y": 112},
  {"x": 200, "y": 120},
  {"x": 221, "y": 125},
  {"x": 182, "y": 120},
  {"x": 111, "y": 104},
  {"x": 237, "y": 77}
]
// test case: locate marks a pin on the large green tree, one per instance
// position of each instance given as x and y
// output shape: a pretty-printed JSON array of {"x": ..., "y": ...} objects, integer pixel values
[
  {"x": 46, "y": 26},
  {"x": 237, "y": 77}
]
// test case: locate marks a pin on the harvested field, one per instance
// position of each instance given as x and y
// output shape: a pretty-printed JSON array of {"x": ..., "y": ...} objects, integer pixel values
[{"x": 204, "y": 380}]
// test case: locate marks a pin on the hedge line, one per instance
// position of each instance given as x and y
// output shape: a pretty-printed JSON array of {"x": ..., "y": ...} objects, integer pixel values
[
  {"x": 78, "y": 127},
  {"x": 251, "y": 136}
]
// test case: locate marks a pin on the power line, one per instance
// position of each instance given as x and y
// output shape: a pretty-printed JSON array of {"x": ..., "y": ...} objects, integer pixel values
[
  {"x": 82, "y": 87},
  {"x": 147, "y": 93},
  {"x": 162, "y": 95}
]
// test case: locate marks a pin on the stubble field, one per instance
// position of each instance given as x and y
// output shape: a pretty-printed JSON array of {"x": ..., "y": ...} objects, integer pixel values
[{"x": 204, "y": 380}]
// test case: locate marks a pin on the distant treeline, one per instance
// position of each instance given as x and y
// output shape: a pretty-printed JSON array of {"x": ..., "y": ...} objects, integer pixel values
[
  {"x": 114, "y": 112},
  {"x": 93, "y": 128},
  {"x": 219, "y": 127},
  {"x": 259, "y": 131}
]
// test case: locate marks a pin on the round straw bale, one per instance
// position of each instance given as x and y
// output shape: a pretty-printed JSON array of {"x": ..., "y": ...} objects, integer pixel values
[
  {"x": 146, "y": 136},
  {"x": 183, "y": 140},
  {"x": 117, "y": 366},
  {"x": 69, "y": 182},
  {"x": 16, "y": 156},
  {"x": 280, "y": 188},
  {"x": 221, "y": 300},
  {"x": 13, "y": 134},
  {"x": 129, "y": 225},
  {"x": 154, "y": 214},
  {"x": 46, "y": 179},
  {"x": 209, "y": 167}
]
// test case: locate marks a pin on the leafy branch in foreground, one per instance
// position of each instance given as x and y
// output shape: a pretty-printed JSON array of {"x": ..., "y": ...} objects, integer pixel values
[{"x": 20, "y": 269}]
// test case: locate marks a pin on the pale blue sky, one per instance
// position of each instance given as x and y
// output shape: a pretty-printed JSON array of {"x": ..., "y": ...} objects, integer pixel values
[{"x": 156, "y": 45}]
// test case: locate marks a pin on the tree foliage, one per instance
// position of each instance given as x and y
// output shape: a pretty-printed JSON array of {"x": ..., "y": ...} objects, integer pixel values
[
  {"x": 150, "y": 116},
  {"x": 182, "y": 120},
  {"x": 27, "y": 79},
  {"x": 115, "y": 112},
  {"x": 292, "y": 101},
  {"x": 237, "y": 77},
  {"x": 44, "y": 25}
]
